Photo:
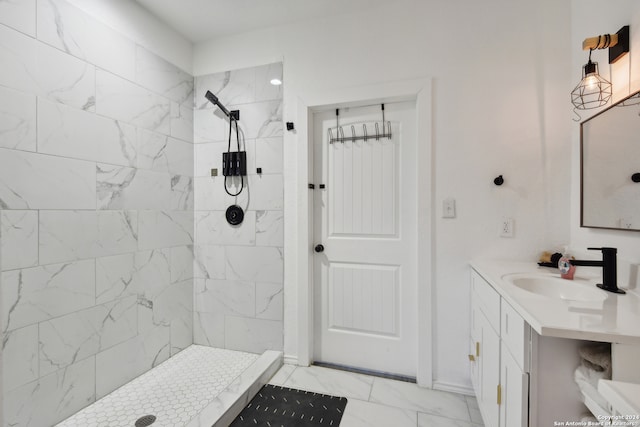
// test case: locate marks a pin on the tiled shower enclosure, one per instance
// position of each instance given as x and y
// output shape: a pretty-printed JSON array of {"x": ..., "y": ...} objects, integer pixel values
[
  {"x": 105, "y": 198},
  {"x": 239, "y": 270}
]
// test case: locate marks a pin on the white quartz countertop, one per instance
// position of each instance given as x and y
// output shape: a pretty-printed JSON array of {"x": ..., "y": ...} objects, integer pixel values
[
  {"x": 624, "y": 397},
  {"x": 615, "y": 319}
]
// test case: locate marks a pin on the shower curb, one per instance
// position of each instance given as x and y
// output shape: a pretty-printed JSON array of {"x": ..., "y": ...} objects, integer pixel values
[{"x": 232, "y": 400}]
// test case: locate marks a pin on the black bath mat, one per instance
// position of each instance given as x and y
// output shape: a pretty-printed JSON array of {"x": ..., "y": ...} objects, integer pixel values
[{"x": 276, "y": 406}]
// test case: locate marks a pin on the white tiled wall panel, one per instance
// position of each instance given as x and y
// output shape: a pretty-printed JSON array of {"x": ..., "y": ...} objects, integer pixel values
[
  {"x": 17, "y": 119},
  {"x": 120, "y": 99},
  {"x": 38, "y": 181},
  {"x": 96, "y": 210},
  {"x": 20, "y": 15},
  {"x": 19, "y": 231},
  {"x": 69, "y": 29},
  {"x": 115, "y": 251}
]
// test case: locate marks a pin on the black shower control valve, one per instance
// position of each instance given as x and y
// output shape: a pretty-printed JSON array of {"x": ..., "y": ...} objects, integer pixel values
[
  {"x": 290, "y": 126},
  {"x": 234, "y": 163},
  {"x": 258, "y": 170},
  {"x": 234, "y": 215}
]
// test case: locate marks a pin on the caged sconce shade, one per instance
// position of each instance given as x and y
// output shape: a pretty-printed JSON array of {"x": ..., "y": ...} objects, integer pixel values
[{"x": 594, "y": 91}]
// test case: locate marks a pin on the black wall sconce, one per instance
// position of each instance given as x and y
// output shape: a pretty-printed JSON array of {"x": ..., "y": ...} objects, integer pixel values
[
  {"x": 499, "y": 180},
  {"x": 594, "y": 91},
  {"x": 635, "y": 177}
]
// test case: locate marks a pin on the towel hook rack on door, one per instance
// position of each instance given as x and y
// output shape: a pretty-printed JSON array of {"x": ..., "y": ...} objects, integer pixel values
[{"x": 386, "y": 130}]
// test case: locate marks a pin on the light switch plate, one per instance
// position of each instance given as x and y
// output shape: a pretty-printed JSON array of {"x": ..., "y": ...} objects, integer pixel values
[{"x": 449, "y": 208}]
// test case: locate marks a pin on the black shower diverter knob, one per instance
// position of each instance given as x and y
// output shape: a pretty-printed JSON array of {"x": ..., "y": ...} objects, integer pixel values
[{"x": 234, "y": 214}]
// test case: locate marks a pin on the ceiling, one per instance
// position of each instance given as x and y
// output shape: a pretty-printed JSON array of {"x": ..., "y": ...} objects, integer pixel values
[{"x": 200, "y": 20}]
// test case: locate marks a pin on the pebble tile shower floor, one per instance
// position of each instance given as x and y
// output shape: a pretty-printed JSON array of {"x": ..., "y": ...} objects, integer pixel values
[{"x": 174, "y": 392}]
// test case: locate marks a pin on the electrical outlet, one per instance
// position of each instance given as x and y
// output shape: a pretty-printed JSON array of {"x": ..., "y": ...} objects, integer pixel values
[
  {"x": 506, "y": 227},
  {"x": 626, "y": 223}
]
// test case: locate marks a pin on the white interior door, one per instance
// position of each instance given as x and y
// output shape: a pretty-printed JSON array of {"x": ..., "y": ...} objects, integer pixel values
[{"x": 365, "y": 290}]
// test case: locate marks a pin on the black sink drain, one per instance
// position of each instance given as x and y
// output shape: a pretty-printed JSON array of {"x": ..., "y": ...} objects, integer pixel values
[{"x": 145, "y": 421}]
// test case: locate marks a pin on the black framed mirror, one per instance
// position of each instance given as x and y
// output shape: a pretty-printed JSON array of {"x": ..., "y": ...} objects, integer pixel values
[{"x": 610, "y": 167}]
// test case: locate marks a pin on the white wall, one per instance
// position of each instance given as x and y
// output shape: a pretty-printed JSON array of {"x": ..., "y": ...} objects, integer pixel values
[
  {"x": 500, "y": 95},
  {"x": 589, "y": 20}
]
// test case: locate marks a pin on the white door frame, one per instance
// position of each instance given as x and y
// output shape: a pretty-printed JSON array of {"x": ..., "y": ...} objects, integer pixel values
[{"x": 298, "y": 253}]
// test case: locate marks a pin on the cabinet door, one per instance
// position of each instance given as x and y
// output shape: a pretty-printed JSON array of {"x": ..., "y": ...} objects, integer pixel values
[
  {"x": 489, "y": 366},
  {"x": 514, "y": 384},
  {"x": 474, "y": 371},
  {"x": 474, "y": 344}
]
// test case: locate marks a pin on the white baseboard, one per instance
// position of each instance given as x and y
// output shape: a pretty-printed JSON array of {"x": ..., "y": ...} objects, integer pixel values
[{"x": 453, "y": 388}]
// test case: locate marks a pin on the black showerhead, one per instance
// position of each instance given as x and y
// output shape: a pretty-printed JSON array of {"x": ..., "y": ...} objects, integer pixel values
[{"x": 234, "y": 114}]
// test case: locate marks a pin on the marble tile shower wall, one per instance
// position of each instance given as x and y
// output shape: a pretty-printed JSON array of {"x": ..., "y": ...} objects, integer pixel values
[
  {"x": 96, "y": 210},
  {"x": 239, "y": 270}
]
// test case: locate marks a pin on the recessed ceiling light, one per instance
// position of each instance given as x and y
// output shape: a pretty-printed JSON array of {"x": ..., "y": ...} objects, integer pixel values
[{"x": 276, "y": 82}]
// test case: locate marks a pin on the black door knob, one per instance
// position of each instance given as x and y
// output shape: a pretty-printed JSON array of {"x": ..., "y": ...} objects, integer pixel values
[{"x": 319, "y": 248}]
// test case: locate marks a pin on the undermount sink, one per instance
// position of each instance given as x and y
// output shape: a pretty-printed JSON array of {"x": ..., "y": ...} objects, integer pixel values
[{"x": 555, "y": 287}]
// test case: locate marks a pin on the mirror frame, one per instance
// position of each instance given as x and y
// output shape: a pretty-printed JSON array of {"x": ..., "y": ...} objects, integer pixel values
[{"x": 582, "y": 149}]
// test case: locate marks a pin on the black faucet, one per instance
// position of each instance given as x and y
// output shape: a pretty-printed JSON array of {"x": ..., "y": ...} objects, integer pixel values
[{"x": 609, "y": 269}]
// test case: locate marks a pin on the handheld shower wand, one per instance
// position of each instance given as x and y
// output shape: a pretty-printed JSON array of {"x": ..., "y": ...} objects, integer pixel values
[{"x": 233, "y": 114}]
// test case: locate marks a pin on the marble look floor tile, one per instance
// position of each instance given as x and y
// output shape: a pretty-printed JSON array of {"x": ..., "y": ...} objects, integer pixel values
[
  {"x": 331, "y": 381},
  {"x": 410, "y": 396},
  {"x": 427, "y": 420},
  {"x": 474, "y": 410},
  {"x": 367, "y": 414},
  {"x": 282, "y": 375}
]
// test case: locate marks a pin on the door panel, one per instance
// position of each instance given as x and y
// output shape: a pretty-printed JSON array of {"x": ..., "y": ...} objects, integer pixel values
[
  {"x": 364, "y": 183},
  {"x": 365, "y": 288},
  {"x": 364, "y": 298}
]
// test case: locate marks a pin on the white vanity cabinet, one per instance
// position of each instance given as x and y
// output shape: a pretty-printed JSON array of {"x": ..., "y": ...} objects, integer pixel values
[{"x": 499, "y": 357}]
